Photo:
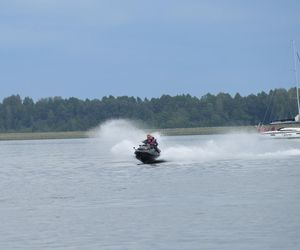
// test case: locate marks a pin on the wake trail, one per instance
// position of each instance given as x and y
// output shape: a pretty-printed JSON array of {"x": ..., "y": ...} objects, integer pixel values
[
  {"x": 119, "y": 137},
  {"x": 232, "y": 146}
]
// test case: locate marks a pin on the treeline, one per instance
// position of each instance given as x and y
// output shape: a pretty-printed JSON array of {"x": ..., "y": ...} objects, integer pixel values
[{"x": 72, "y": 114}]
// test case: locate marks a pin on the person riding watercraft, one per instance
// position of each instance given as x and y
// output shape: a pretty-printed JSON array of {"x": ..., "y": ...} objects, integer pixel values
[
  {"x": 151, "y": 141},
  {"x": 148, "y": 152}
]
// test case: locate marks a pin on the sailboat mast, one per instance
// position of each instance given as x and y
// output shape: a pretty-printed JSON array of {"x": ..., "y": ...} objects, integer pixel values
[{"x": 296, "y": 75}]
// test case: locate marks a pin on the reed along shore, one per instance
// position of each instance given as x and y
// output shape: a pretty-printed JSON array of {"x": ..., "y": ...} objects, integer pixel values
[{"x": 165, "y": 132}]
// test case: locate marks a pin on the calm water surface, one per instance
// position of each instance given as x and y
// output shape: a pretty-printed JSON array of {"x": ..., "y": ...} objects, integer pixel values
[{"x": 214, "y": 192}]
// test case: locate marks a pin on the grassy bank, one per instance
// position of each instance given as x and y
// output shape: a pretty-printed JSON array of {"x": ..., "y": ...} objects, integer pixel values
[
  {"x": 167, "y": 132},
  {"x": 207, "y": 130},
  {"x": 43, "y": 135}
]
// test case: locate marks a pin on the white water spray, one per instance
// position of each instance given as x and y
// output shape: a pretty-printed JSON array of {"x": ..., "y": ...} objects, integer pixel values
[
  {"x": 232, "y": 146},
  {"x": 120, "y": 136}
]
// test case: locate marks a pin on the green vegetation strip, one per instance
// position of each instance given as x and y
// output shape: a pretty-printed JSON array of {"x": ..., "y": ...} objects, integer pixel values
[
  {"x": 207, "y": 130},
  {"x": 43, "y": 135},
  {"x": 166, "y": 132}
]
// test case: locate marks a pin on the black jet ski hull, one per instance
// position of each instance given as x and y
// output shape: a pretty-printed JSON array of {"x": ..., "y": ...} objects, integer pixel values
[
  {"x": 146, "y": 157},
  {"x": 146, "y": 154}
]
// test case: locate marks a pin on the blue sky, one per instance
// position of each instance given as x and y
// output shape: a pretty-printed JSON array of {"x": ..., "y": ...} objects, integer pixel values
[{"x": 94, "y": 48}]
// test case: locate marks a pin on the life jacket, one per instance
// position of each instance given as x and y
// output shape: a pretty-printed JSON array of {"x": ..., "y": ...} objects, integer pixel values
[{"x": 152, "y": 141}]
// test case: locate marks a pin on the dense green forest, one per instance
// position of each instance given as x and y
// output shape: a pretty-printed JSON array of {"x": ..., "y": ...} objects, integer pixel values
[{"x": 72, "y": 114}]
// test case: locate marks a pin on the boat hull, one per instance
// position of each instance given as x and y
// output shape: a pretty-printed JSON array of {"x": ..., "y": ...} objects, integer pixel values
[{"x": 283, "y": 133}]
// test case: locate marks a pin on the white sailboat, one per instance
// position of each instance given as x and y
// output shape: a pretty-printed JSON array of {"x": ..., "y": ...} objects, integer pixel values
[
  {"x": 283, "y": 133},
  {"x": 288, "y": 128}
]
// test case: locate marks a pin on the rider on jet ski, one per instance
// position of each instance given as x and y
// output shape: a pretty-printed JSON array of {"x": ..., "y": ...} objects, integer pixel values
[{"x": 152, "y": 142}]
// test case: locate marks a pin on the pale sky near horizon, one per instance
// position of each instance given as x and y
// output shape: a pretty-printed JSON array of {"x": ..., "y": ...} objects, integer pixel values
[{"x": 95, "y": 48}]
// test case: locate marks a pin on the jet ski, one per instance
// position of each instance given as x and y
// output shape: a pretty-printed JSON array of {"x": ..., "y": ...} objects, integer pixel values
[{"x": 146, "y": 154}]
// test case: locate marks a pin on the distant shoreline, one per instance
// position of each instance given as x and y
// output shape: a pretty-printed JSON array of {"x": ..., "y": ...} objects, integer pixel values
[
  {"x": 207, "y": 130},
  {"x": 87, "y": 134},
  {"x": 43, "y": 135}
]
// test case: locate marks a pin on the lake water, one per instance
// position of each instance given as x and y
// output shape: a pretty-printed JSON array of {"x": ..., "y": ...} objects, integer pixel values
[{"x": 213, "y": 192}]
